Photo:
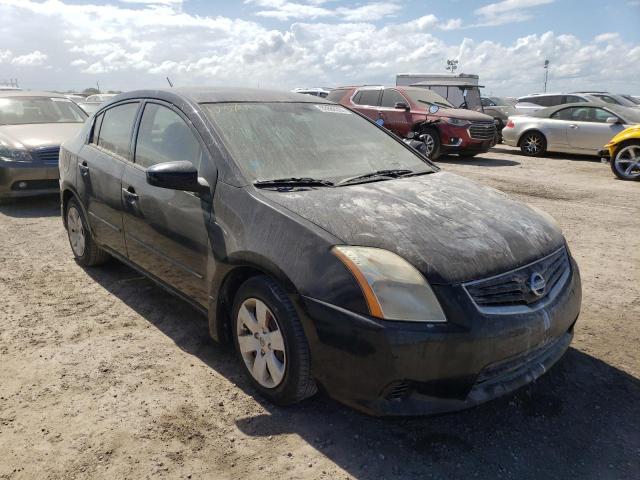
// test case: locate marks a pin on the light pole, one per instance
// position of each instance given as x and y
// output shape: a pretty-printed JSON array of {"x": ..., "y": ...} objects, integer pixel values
[
  {"x": 452, "y": 65},
  {"x": 546, "y": 74}
]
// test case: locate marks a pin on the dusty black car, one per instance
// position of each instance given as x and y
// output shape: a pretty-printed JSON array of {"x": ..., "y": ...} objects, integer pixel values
[{"x": 329, "y": 252}]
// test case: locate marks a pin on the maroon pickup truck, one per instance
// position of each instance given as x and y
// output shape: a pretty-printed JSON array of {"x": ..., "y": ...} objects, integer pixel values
[{"x": 406, "y": 110}]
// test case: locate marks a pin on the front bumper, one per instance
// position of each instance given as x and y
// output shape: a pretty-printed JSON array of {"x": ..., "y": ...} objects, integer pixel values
[
  {"x": 403, "y": 368},
  {"x": 604, "y": 155},
  {"x": 20, "y": 179},
  {"x": 454, "y": 139}
]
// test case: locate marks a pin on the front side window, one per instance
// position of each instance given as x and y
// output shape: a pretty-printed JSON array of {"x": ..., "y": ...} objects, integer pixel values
[
  {"x": 165, "y": 137},
  {"x": 115, "y": 131},
  {"x": 281, "y": 140},
  {"x": 600, "y": 115},
  {"x": 29, "y": 110},
  {"x": 390, "y": 97}
]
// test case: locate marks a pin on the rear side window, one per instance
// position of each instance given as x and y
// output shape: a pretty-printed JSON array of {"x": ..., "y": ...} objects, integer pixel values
[
  {"x": 368, "y": 97},
  {"x": 390, "y": 97},
  {"x": 564, "y": 114},
  {"x": 165, "y": 137},
  {"x": 115, "y": 131},
  {"x": 573, "y": 99},
  {"x": 336, "y": 95}
]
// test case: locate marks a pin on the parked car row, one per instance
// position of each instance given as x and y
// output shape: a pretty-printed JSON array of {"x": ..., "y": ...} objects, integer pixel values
[{"x": 538, "y": 101}]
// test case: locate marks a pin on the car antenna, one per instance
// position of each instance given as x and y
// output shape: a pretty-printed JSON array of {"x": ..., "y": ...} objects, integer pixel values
[{"x": 169, "y": 81}]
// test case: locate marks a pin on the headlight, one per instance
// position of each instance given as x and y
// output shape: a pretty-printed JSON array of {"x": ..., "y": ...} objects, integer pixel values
[
  {"x": 457, "y": 122},
  {"x": 14, "y": 154},
  {"x": 392, "y": 287}
]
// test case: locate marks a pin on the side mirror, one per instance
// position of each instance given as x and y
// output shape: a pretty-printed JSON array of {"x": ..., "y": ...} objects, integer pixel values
[
  {"x": 181, "y": 175},
  {"x": 613, "y": 120},
  {"x": 402, "y": 106},
  {"x": 434, "y": 109}
]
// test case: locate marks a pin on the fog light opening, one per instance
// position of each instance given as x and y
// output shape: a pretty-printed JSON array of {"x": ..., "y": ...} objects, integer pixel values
[{"x": 22, "y": 185}]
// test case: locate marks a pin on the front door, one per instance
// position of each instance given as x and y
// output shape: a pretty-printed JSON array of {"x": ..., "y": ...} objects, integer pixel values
[
  {"x": 166, "y": 230},
  {"x": 589, "y": 129},
  {"x": 100, "y": 169}
]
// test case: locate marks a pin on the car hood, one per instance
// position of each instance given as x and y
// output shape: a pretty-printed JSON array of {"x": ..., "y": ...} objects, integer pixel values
[
  {"x": 37, "y": 134},
  {"x": 463, "y": 114},
  {"x": 450, "y": 228}
]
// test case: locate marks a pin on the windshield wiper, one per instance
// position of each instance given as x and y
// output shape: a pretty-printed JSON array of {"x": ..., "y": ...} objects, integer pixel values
[
  {"x": 392, "y": 173},
  {"x": 293, "y": 182}
]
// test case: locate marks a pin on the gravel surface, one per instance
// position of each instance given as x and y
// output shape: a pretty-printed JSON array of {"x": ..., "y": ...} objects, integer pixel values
[{"x": 104, "y": 375}]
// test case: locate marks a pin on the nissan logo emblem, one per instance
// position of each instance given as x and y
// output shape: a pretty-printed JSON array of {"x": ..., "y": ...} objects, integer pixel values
[{"x": 538, "y": 284}]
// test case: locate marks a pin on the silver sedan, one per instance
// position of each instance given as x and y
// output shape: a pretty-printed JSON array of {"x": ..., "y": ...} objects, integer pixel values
[{"x": 581, "y": 128}]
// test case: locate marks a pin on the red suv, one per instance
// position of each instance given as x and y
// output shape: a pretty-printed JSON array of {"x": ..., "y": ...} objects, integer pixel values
[{"x": 406, "y": 112}]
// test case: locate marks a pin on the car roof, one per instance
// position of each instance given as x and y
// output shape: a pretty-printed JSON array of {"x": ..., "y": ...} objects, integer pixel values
[
  {"x": 545, "y": 112},
  {"x": 221, "y": 95},
  {"x": 30, "y": 93}
]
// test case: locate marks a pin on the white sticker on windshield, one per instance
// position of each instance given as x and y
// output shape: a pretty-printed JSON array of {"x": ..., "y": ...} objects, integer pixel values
[
  {"x": 332, "y": 109},
  {"x": 58, "y": 99}
]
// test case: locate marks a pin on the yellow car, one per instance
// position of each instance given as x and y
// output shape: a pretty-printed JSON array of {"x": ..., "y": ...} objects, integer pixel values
[{"x": 623, "y": 153}]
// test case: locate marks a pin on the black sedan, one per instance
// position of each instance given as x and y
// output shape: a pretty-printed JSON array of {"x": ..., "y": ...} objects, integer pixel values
[{"x": 326, "y": 250}]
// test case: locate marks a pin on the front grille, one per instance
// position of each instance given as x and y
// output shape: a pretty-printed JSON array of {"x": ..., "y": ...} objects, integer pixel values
[
  {"x": 47, "y": 155},
  {"x": 515, "y": 287},
  {"x": 482, "y": 130},
  {"x": 503, "y": 368},
  {"x": 397, "y": 391}
]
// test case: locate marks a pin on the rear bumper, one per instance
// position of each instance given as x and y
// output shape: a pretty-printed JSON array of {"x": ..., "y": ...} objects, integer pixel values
[
  {"x": 37, "y": 179},
  {"x": 404, "y": 368}
]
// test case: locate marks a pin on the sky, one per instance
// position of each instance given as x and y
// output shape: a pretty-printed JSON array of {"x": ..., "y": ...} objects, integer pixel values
[{"x": 133, "y": 44}]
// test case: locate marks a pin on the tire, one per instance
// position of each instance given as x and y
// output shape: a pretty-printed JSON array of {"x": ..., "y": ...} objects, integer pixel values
[
  {"x": 533, "y": 144},
  {"x": 431, "y": 139},
  {"x": 278, "y": 366},
  {"x": 84, "y": 248},
  {"x": 627, "y": 156}
]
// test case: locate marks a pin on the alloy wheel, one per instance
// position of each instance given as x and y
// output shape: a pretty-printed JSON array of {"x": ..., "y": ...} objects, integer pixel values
[
  {"x": 532, "y": 144},
  {"x": 261, "y": 343},
  {"x": 627, "y": 162},
  {"x": 429, "y": 144},
  {"x": 76, "y": 231}
]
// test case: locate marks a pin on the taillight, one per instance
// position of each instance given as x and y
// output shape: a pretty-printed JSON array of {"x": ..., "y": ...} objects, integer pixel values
[{"x": 510, "y": 124}]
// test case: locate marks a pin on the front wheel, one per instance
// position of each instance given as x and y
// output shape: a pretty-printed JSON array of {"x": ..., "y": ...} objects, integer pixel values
[
  {"x": 626, "y": 161},
  {"x": 84, "y": 248},
  {"x": 271, "y": 343},
  {"x": 533, "y": 144},
  {"x": 431, "y": 140}
]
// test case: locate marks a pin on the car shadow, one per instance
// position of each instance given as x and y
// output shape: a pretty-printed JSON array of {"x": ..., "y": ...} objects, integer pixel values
[
  {"x": 550, "y": 155},
  {"x": 479, "y": 161},
  {"x": 580, "y": 420},
  {"x": 31, "y": 207}
]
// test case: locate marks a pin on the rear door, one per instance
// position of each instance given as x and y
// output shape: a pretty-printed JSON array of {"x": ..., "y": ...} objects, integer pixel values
[
  {"x": 589, "y": 130},
  {"x": 397, "y": 120},
  {"x": 166, "y": 230},
  {"x": 367, "y": 101},
  {"x": 100, "y": 168}
]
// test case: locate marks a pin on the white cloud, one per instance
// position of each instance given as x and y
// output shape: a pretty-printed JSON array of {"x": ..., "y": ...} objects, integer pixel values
[
  {"x": 507, "y": 11},
  {"x": 32, "y": 59},
  {"x": 312, "y": 9},
  {"x": 135, "y": 46}
]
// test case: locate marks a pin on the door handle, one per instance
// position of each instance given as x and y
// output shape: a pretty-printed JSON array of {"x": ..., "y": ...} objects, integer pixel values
[
  {"x": 84, "y": 169},
  {"x": 573, "y": 126},
  {"x": 130, "y": 195}
]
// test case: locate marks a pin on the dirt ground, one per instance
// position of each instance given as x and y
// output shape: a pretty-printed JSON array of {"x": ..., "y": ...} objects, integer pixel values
[{"x": 104, "y": 375}]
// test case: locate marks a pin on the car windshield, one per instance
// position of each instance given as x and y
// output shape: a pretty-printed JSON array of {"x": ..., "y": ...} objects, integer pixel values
[
  {"x": 423, "y": 95},
  {"x": 26, "y": 110},
  {"x": 502, "y": 101},
  {"x": 306, "y": 140},
  {"x": 630, "y": 115}
]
